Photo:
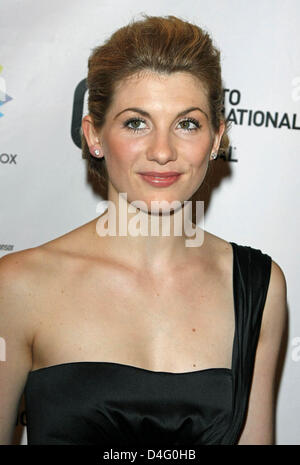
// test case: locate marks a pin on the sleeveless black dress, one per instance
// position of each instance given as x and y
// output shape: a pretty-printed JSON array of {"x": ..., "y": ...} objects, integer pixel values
[{"x": 106, "y": 403}]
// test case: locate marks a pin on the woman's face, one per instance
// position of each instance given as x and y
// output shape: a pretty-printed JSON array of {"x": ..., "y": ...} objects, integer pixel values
[{"x": 167, "y": 129}]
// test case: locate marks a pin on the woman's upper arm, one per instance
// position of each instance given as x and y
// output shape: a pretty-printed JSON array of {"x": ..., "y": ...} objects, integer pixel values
[
  {"x": 259, "y": 426},
  {"x": 15, "y": 333}
]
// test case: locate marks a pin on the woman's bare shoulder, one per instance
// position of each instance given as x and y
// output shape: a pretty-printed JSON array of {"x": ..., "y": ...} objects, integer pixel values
[
  {"x": 25, "y": 276},
  {"x": 77, "y": 243},
  {"x": 276, "y": 310},
  {"x": 215, "y": 242},
  {"x": 21, "y": 275},
  {"x": 16, "y": 265},
  {"x": 18, "y": 286},
  {"x": 23, "y": 267},
  {"x": 218, "y": 250}
]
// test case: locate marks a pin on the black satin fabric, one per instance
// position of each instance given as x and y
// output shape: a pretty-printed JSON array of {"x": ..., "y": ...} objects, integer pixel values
[{"x": 107, "y": 403}]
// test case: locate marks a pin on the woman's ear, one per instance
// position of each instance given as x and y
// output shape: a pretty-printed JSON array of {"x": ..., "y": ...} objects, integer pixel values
[
  {"x": 91, "y": 138},
  {"x": 89, "y": 131},
  {"x": 218, "y": 137}
]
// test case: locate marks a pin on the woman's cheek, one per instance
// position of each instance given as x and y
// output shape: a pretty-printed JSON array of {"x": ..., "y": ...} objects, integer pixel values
[
  {"x": 199, "y": 157},
  {"x": 125, "y": 152}
]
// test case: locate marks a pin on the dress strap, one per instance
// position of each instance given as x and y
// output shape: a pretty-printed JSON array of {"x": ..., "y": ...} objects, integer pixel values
[{"x": 251, "y": 276}]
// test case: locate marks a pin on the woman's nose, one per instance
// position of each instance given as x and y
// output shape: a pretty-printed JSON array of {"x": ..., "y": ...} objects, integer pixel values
[{"x": 161, "y": 148}]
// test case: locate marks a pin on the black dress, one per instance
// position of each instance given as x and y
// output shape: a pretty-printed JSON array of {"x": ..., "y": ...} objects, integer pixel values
[{"x": 106, "y": 403}]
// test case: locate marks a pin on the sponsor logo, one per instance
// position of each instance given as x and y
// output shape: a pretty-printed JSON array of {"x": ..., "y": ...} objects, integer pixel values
[
  {"x": 260, "y": 117},
  {"x": 4, "y": 97}
]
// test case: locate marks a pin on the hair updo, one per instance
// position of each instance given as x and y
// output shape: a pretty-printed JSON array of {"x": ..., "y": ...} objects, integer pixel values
[{"x": 160, "y": 44}]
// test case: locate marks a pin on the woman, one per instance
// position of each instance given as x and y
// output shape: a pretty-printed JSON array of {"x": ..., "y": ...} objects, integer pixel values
[{"x": 140, "y": 339}]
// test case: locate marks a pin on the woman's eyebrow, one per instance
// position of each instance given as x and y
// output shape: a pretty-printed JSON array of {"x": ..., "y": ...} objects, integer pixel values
[{"x": 145, "y": 113}]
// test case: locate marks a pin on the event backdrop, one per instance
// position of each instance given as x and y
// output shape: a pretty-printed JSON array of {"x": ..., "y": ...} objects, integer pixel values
[{"x": 254, "y": 199}]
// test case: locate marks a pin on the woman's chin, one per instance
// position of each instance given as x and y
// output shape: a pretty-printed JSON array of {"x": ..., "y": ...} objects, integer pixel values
[{"x": 158, "y": 206}]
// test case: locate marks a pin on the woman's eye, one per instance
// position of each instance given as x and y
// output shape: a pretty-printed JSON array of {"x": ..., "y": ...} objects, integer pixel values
[
  {"x": 135, "y": 122},
  {"x": 186, "y": 123}
]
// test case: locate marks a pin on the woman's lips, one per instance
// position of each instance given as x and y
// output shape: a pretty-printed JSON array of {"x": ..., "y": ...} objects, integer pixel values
[{"x": 160, "y": 179}]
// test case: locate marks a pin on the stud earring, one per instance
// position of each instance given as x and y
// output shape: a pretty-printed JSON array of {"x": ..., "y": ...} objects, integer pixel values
[
  {"x": 94, "y": 151},
  {"x": 214, "y": 156}
]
